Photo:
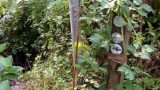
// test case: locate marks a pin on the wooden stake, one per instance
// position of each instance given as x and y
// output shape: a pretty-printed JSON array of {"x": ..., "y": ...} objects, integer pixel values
[{"x": 116, "y": 60}]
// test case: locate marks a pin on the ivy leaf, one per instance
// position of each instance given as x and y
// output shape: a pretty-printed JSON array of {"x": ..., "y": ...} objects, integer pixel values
[
  {"x": 52, "y": 3},
  {"x": 84, "y": 18},
  {"x": 3, "y": 47},
  {"x": 146, "y": 7},
  {"x": 142, "y": 13},
  {"x": 96, "y": 38},
  {"x": 103, "y": 69},
  {"x": 106, "y": 4},
  {"x": 128, "y": 2},
  {"x": 149, "y": 48},
  {"x": 1, "y": 32},
  {"x": 5, "y": 62},
  {"x": 105, "y": 44},
  {"x": 9, "y": 76},
  {"x": 10, "y": 58},
  {"x": 131, "y": 49},
  {"x": 4, "y": 85},
  {"x": 145, "y": 55},
  {"x": 137, "y": 2},
  {"x": 124, "y": 10},
  {"x": 138, "y": 87},
  {"x": 137, "y": 45},
  {"x": 129, "y": 74},
  {"x": 119, "y": 21},
  {"x": 129, "y": 26},
  {"x": 1, "y": 67},
  {"x": 119, "y": 87},
  {"x": 129, "y": 85}
]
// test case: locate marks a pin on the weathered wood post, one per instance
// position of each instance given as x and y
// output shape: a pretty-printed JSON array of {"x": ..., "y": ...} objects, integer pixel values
[
  {"x": 75, "y": 32},
  {"x": 117, "y": 56}
]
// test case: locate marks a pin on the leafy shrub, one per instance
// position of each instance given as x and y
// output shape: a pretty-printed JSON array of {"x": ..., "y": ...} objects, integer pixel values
[{"x": 7, "y": 70}]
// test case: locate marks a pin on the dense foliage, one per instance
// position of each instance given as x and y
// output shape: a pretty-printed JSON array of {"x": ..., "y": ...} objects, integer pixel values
[{"x": 37, "y": 33}]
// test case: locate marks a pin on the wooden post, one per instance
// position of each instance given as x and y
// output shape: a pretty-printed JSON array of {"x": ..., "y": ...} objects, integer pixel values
[
  {"x": 75, "y": 32},
  {"x": 117, "y": 59}
]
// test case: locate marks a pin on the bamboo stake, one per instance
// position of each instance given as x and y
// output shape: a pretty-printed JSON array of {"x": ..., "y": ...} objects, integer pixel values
[{"x": 75, "y": 32}]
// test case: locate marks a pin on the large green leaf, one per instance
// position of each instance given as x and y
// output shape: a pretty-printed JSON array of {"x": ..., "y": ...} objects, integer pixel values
[
  {"x": 4, "y": 85},
  {"x": 124, "y": 10},
  {"x": 146, "y": 7},
  {"x": 96, "y": 38},
  {"x": 9, "y": 76},
  {"x": 149, "y": 48},
  {"x": 142, "y": 13},
  {"x": 5, "y": 61},
  {"x": 1, "y": 67},
  {"x": 1, "y": 32},
  {"x": 3, "y": 47},
  {"x": 129, "y": 85},
  {"x": 145, "y": 55},
  {"x": 138, "y": 87},
  {"x": 119, "y": 21},
  {"x": 137, "y": 2},
  {"x": 107, "y": 4},
  {"x": 119, "y": 87},
  {"x": 131, "y": 49},
  {"x": 105, "y": 44},
  {"x": 129, "y": 74}
]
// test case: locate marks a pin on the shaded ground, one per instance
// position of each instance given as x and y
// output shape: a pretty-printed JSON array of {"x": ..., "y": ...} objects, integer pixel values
[{"x": 16, "y": 85}]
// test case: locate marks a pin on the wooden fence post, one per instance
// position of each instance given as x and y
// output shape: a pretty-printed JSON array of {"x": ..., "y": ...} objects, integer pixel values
[{"x": 117, "y": 56}]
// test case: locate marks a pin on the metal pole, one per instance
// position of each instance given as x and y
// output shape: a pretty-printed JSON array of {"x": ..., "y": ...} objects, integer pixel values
[{"x": 75, "y": 32}]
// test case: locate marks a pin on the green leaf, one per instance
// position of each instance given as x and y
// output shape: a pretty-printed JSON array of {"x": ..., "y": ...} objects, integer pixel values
[
  {"x": 107, "y": 4},
  {"x": 119, "y": 21},
  {"x": 103, "y": 69},
  {"x": 137, "y": 2},
  {"x": 129, "y": 26},
  {"x": 145, "y": 55},
  {"x": 10, "y": 58},
  {"x": 3, "y": 47},
  {"x": 9, "y": 76},
  {"x": 84, "y": 18},
  {"x": 124, "y": 10},
  {"x": 105, "y": 44},
  {"x": 4, "y": 85},
  {"x": 137, "y": 45},
  {"x": 96, "y": 38},
  {"x": 78, "y": 66},
  {"x": 138, "y": 87},
  {"x": 131, "y": 49},
  {"x": 149, "y": 48},
  {"x": 146, "y": 7},
  {"x": 142, "y": 13},
  {"x": 14, "y": 69},
  {"x": 119, "y": 87},
  {"x": 128, "y": 2},
  {"x": 129, "y": 74},
  {"x": 1, "y": 32},
  {"x": 5, "y": 62},
  {"x": 52, "y": 3},
  {"x": 129, "y": 85},
  {"x": 92, "y": 63},
  {"x": 1, "y": 67}
]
